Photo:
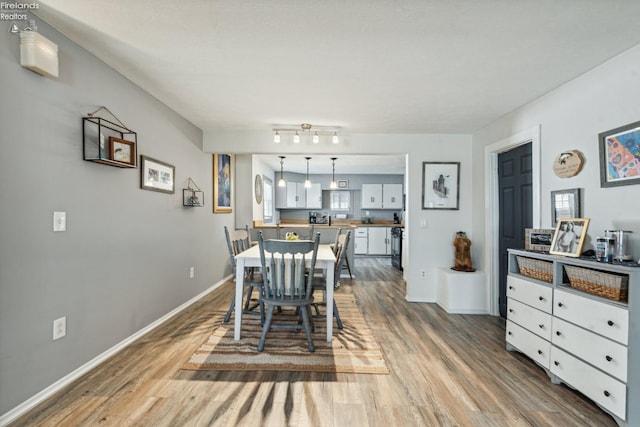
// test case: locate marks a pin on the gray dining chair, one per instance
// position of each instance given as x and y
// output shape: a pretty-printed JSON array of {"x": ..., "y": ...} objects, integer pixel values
[
  {"x": 340, "y": 237},
  {"x": 239, "y": 241},
  {"x": 284, "y": 265},
  {"x": 319, "y": 283}
]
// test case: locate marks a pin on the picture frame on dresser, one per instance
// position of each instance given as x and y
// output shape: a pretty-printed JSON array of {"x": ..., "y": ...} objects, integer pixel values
[
  {"x": 569, "y": 237},
  {"x": 538, "y": 239}
]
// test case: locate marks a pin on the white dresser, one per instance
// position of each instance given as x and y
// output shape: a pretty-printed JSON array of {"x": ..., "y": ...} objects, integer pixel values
[{"x": 586, "y": 341}]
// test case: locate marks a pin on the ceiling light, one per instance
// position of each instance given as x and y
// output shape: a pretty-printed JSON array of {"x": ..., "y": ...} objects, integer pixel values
[
  {"x": 333, "y": 184},
  {"x": 307, "y": 182},
  {"x": 281, "y": 182},
  {"x": 299, "y": 131}
]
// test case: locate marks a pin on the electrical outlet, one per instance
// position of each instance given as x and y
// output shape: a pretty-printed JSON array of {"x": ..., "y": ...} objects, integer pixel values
[
  {"x": 192, "y": 272},
  {"x": 59, "y": 328},
  {"x": 423, "y": 274}
]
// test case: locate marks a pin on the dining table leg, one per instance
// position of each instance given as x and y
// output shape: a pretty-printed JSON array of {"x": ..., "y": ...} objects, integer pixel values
[
  {"x": 237, "y": 325},
  {"x": 329, "y": 299}
]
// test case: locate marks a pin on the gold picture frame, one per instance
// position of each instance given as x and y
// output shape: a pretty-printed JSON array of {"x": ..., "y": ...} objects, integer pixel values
[
  {"x": 569, "y": 236},
  {"x": 223, "y": 169}
]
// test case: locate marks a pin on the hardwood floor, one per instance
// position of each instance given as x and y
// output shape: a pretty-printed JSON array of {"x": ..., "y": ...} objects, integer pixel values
[{"x": 446, "y": 370}]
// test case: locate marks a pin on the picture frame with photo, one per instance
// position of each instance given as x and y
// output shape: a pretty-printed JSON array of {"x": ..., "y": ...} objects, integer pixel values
[
  {"x": 440, "y": 185},
  {"x": 223, "y": 183},
  {"x": 156, "y": 175},
  {"x": 565, "y": 204},
  {"x": 122, "y": 151},
  {"x": 538, "y": 239},
  {"x": 620, "y": 156},
  {"x": 343, "y": 184},
  {"x": 569, "y": 237}
]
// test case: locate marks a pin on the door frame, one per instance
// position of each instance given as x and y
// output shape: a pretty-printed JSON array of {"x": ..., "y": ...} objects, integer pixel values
[{"x": 492, "y": 201}]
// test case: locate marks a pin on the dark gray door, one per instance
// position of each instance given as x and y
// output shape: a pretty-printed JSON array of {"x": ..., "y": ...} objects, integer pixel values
[{"x": 516, "y": 210}]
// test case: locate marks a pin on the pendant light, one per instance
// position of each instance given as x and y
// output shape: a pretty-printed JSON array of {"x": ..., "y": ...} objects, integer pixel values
[
  {"x": 333, "y": 184},
  {"x": 307, "y": 182},
  {"x": 281, "y": 182}
]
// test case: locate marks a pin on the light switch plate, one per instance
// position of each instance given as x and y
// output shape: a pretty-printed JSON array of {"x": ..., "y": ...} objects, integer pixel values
[{"x": 59, "y": 221}]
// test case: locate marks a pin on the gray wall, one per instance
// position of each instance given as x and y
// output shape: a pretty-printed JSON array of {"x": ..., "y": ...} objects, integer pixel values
[{"x": 125, "y": 257}]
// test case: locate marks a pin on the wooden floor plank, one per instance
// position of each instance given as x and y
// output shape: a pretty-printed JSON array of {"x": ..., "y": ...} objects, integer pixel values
[{"x": 446, "y": 370}]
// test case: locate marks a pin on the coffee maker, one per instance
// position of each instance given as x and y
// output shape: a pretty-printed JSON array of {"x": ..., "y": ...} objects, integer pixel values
[{"x": 313, "y": 217}]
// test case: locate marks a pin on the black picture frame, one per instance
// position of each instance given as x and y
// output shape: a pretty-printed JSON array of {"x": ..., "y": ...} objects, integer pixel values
[
  {"x": 441, "y": 185},
  {"x": 565, "y": 204},
  {"x": 620, "y": 156}
]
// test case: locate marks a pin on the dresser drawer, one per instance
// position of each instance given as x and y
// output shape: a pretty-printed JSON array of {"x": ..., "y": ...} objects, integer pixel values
[
  {"x": 605, "y": 354},
  {"x": 605, "y": 319},
  {"x": 528, "y": 344},
  {"x": 534, "y": 294},
  {"x": 529, "y": 318},
  {"x": 606, "y": 391}
]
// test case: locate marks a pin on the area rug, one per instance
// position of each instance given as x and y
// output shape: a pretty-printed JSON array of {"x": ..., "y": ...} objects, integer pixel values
[{"x": 353, "y": 349}]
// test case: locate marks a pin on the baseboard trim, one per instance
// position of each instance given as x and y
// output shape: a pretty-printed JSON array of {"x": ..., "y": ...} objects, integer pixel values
[{"x": 38, "y": 398}]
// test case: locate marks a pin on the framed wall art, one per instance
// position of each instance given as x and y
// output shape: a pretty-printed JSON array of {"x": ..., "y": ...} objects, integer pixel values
[
  {"x": 156, "y": 175},
  {"x": 569, "y": 236},
  {"x": 538, "y": 239},
  {"x": 222, "y": 183},
  {"x": 620, "y": 156},
  {"x": 343, "y": 184},
  {"x": 565, "y": 204},
  {"x": 440, "y": 185},
  {"x": 122, "y": 151}
]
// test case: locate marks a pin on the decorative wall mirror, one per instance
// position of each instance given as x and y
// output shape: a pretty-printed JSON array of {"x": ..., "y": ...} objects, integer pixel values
[{"x": 565, "y": 204}]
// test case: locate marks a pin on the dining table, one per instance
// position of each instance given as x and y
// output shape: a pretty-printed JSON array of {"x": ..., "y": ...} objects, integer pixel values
[{"x": 325, "y": 260}]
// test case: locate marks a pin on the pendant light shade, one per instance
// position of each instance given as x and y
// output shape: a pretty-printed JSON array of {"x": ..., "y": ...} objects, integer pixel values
[
  {"x": 281, "y": 182},
  {"x": 307, "y": 182},
  {"x": 333, "y": 184}
]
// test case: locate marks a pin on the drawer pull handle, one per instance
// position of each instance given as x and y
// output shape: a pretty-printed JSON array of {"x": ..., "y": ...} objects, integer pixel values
[
  {"x": 558, "y": 333},
  {"x": 541, "y": 326},
  {"x": 609, "y": 358},
  {"x": 511, "y": 310},
  {"x": 509, "y": 333},
  {"x": 539, "y": 351},
  {"x": 610, "y": 322},
  {"x": 510, "y": 287},
  {"x": 541, "y": 298},
  {"x": 556, "y": 363},
  {"x": 559, "y": 304},
  {"x": 606, "y": 393}
]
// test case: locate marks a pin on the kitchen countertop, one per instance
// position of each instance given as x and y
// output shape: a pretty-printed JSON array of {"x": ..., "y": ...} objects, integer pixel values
[{"x": 334, "y": 225}]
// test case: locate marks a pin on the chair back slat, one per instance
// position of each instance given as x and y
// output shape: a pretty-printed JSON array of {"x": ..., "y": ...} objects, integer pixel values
[{"x": 237, "y": 241}]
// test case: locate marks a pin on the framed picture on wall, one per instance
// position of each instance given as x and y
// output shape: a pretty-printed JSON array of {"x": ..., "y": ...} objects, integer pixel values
[
  {"x": 440, "y": 185},
  {"x": 620, "y": 156},
  {"x": 565, "y": 204},
  {"x": 156, "y": 175},
  {"x": 222, "y": 183},
  {"x": 122, "y": 151}
]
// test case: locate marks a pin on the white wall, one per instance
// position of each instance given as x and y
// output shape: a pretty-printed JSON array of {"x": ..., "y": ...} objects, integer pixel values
[
  {"x": 429, "y": 248},
  {"x": 571, "y": 118}
]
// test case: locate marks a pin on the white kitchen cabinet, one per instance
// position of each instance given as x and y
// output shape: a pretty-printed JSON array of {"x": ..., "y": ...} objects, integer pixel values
[
  {"x": 371, "y": 196},
  {"x": 381, "y": 196},
  {"x": 361, "y": 241},
  {"x": 579, "y": 338},
  {"x": 379, "y": 241},
  {"x": 296, "y": 195},
  {"x": 392, "y": 196},
  {"x": 314, "y": 197}
]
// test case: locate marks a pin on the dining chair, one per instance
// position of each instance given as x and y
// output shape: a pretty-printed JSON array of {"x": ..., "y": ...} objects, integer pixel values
[
  {"x": 239, "y": 241},
  {"x": 340, "y": 237},
  {"x": 283, "y": 266},
  {"x": 319, "y": 283}
]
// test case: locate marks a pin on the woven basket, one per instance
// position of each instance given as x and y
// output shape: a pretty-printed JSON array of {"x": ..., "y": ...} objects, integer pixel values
[
  {"x": 607, "y": 285},
  {"x": 536, "y": 268}
]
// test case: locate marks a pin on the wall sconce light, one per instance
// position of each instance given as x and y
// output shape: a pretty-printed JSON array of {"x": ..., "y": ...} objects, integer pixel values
[
  {"x": 299, "y": 132},
  {"x": 281, "y": 182},
  {"x": 333, "y": 184},
  {"x": 37, "y": 53},
  {"x": 192, "y": 196},
  {"x": 307, "y": 182}
]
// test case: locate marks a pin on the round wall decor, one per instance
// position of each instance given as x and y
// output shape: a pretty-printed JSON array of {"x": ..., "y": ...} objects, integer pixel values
[
  {"x": 258, "y": 189},
  {"x": 568, "y": 164}
]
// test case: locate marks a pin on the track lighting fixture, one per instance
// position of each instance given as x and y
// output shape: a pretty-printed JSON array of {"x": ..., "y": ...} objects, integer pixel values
[{"x": 299, "y": 133}]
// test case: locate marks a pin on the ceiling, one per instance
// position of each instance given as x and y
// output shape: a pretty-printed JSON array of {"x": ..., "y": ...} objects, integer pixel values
[{"x": 367, "y": 66}]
